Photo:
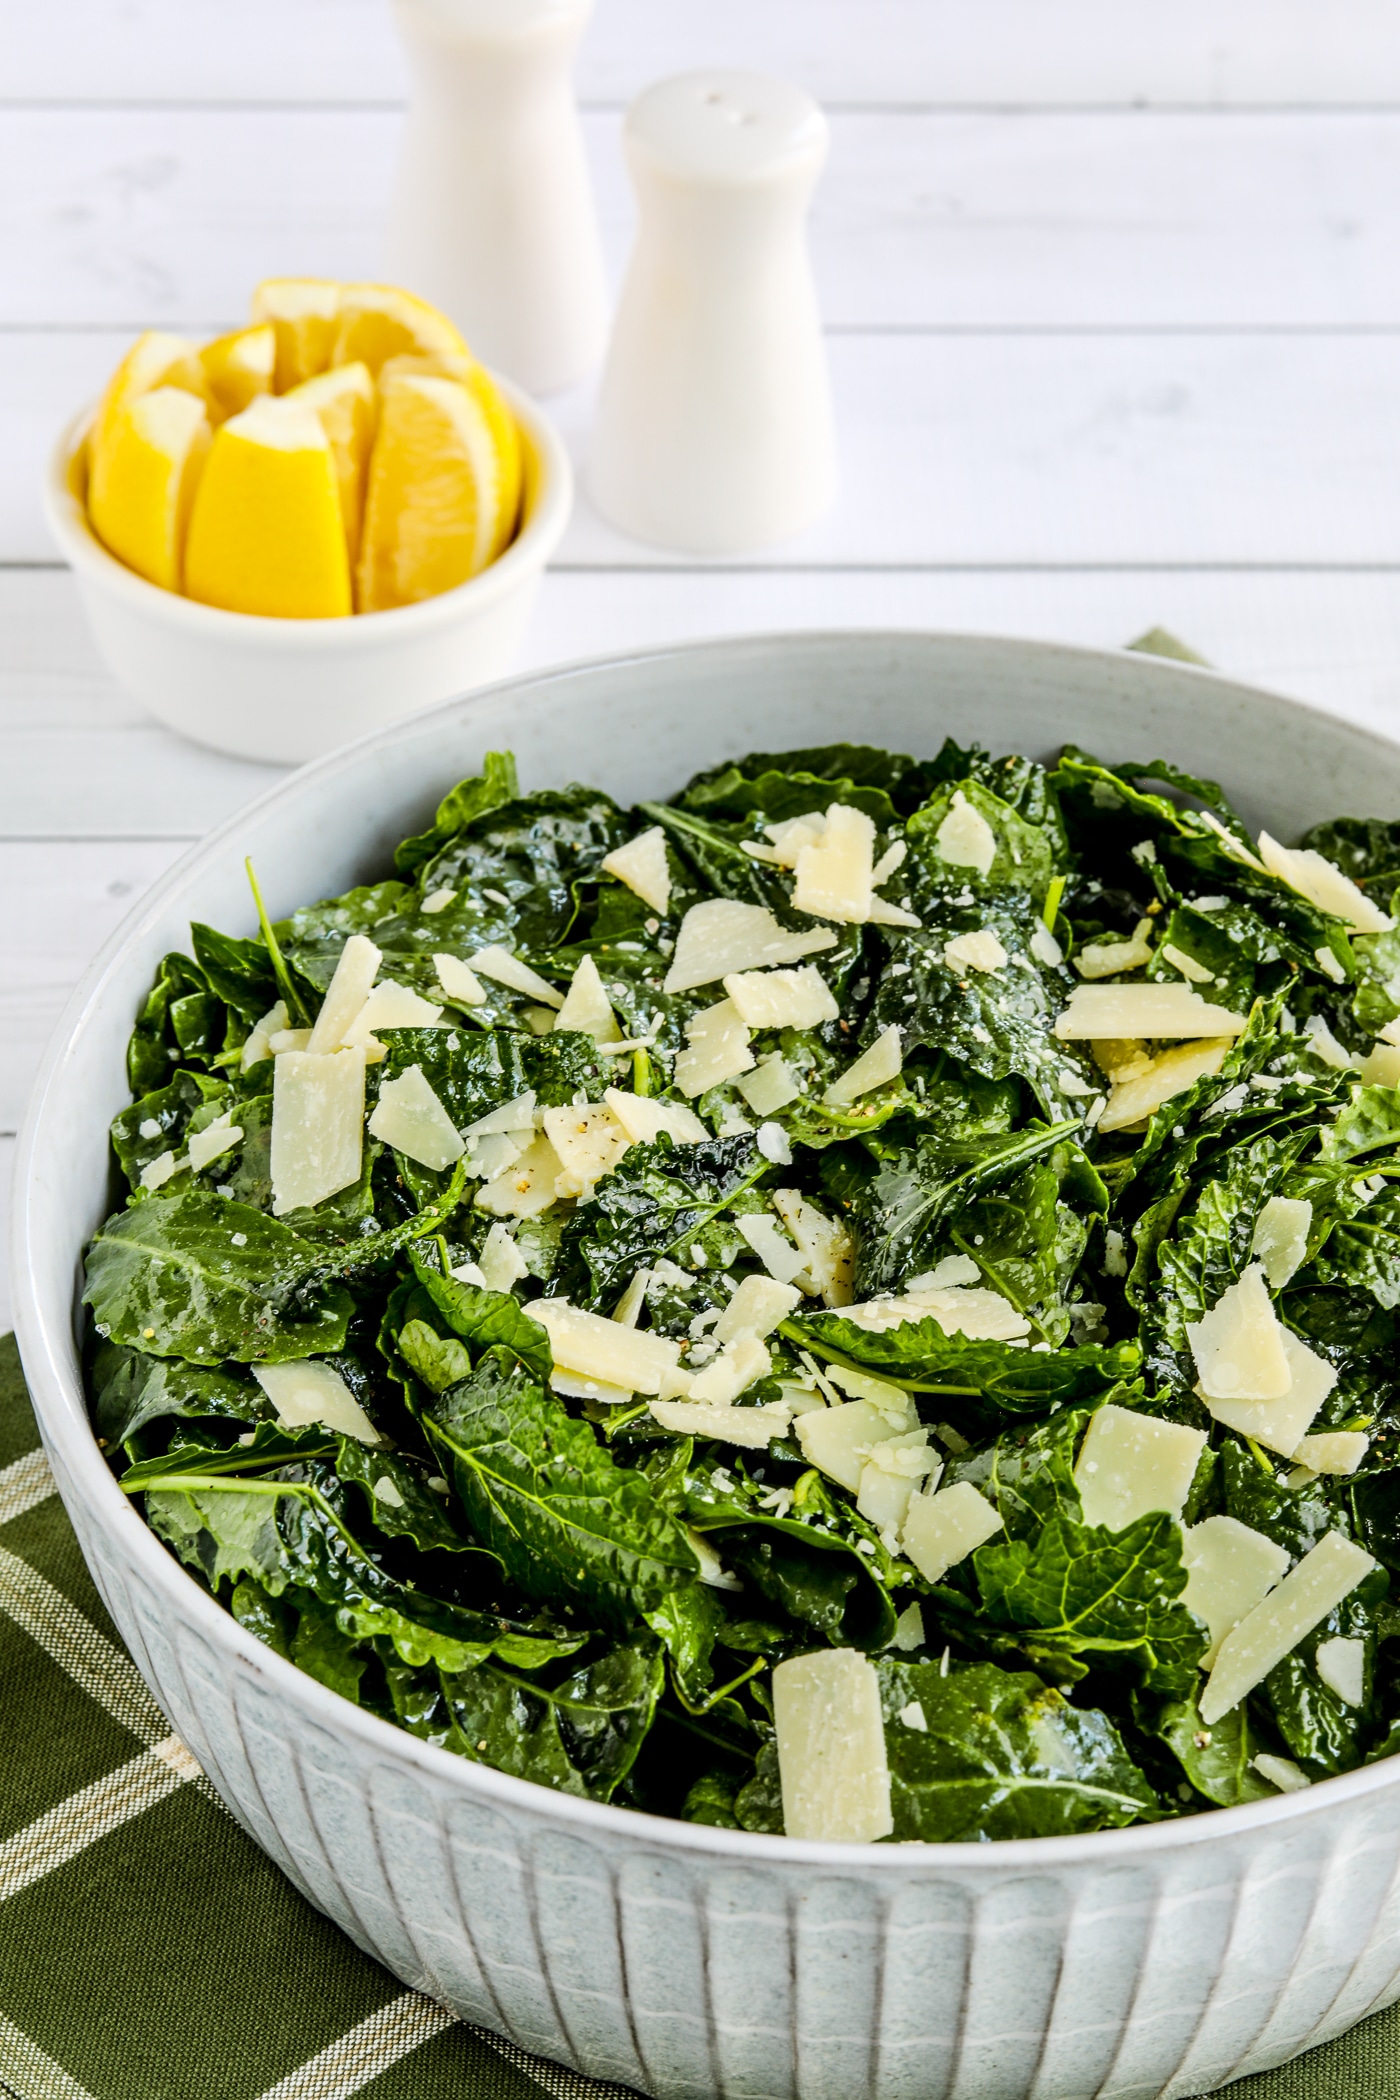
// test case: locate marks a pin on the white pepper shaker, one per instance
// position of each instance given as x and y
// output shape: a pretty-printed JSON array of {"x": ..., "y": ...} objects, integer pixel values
[
  {"x": 493, "y": 216},
  {"x": 714, "y": 431}
]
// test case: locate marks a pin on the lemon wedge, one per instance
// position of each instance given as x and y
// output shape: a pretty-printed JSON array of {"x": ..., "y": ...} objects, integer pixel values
[
  {"x": 305, "y": 312},
  {"x": 265, "y": 533},
  {"x": 378, "y": 321},
  {"x": 144, "y": 479},
  {"x": 239, "y": 367},
  {"x": 505, "y": 431},
  {"x": 154, "y": 359},
  {"x": 436, "y": 496},
  {"x": 344, "y": 401}
]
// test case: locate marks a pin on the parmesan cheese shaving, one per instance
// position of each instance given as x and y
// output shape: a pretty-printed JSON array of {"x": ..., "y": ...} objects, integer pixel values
[
  {"x": 1229, "y": 1569},
  {"x": 643, "y": 866},
  {"x": 1143, "y": 1090},
  {"x": 586, "y": 1004},
  {"x": 975, "y": 951},
  {"x": 830, "y": 1733},
  {"x": 1280, "y": 1424},
  {"x": 1131, "y": 1464},
  {"x": 389, "y": 1005},
  {"x": 258, "y": 1044},
  {"x": 783, "y": 1261},
  {"x": 983, "y": 1316},
  {"x": 594, "y": 1347},
  {"x": 782, "y": 998},
  {"x": 501, "y": 1262},
  {"x": 1108, "y": 958},
  {"x": 839, "y": 1440},
  {"x": 311, "y": 1392},
  {"x": 1281, "y": 1238},
  {"x": 965, "y": 839},
  {"x": 752, "y": 1428},
  {"x": 589, "y": 1141},
  {"x": 722, "y": 936},
  {"x": 459, "y": 984},
  {"x": 834, "y": 870},
  {"x": 757, "y": 1307},
  {"x": 883, "y": 1061},
  {"x": 1164, "y": 1012},
  {"x": 1341, "y": 1664},
  {"x": 1238, "y": 1345},
  {"x": 644, "y": 1119},
  {"x": 943, "y": 1528},
  {"x": 1332, "y": 1451},
  {"x": 1274, "y": 1628},
  {"x": 347, "y": 992},
  {"x": 503, "y": 968},
  {"x": 740, "y": 1364},
  {"x": 771, "y": 1086},
  {"x": 526, "y": 1185},
  {"x": 410, "y": 1117},
  {"x": 214, "y": 1140},
  {"x": 318, "y": 1113},
  {"x": 1324, "y": 885},
  {"x": 827, "y": 1248},
  {"x": 717, "y": 1048}
]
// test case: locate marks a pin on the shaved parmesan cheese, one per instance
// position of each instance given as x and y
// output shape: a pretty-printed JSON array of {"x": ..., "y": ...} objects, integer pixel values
[
  {"x": 524, "y": 1187},
  {"x": 740, "y": 1364},
  {"x": 627, "y": 1310},
  {"x": 590, "y": 1141},
  {"x": 312, "y": 1392},
  {"x": 1341, "y": 1664},
  {"x": 721, "y": 935},
  {"x": 1238, "y": 1345},
  {"x": 1044, "y": 946},
  {"x": 385, "y": 1491},
  {"x": 883, "y": 1061},
  {"x": 1274, "y": 1628},
  {"x": 1139, "y": 1096},
  {"x": 771, "y": 1086},
  {"x": 1381, "y": 1066},
  {"x": 643, "y": 866},
  {"x": 1236, "y": 848},
  {"x": 1319, "y": 1039},
  {"x": 1187, "y": 965},
  {"x": 789, "y": 837},
  {"x": 752, "y": 1428},
  {"x": 890, "y": 1476},
  {"x": 965, "y": 839},
  {"x": 159, "y": 1170},
  {"x": 834, "y": 871},
  {"x": 289, "y": 1039},
  {"x": 259, "y": 1041},
  {"x": 1161, "y": 1011},
  {"x": 909, "y": 1629},
  {"x": 839, "y": 1440},
  {"x": 983, "y": 1316},
  {"x": 347, "y": 992},
  {"x": 954, "y": 1269},
  {"x": 830, "y": 1732},
  {"x": 1281, "y": 1237},
  {"x": 1281, "y": 1772},
  {"x": 712, "y": 1569},
  {"x": 1332, "y": 1451},
  {"x": 757, "y": 1307},
  {"x": 595, "y": 1347},
  {"x": 892, "y": 1401},
  {"x": 438, "y": 900},
  {"x": 1229, "y": 1569},
  {"x": 318, "y": 1115},
  {"x": 1130, "y": 1464},
  {"x": 716, "y": 1049},
  {"x": 644, "y": 1119},
  {"x": 943, "y": 1528},
  {"x": 891, "y": 859},
  {"x": 511, "y": 1116},
  {"x": 1330, "y": 965},
  {"x": 389, "y": 1005},
  {"x": 782, "y": 998},
  {"x": 214, "y": 1140},
  {"x": 1107, "y": 958},
  {"x": 782, "y": 1260},
  {"x": 501, "y": 1261},
  {"x": 1280, "y": 1424},
  {"x": 883, "y": 914},
  {"x": 459, "y": 984},
  {"x": 1324, "y": 885},
  {"x": 410, "y": 1117},
  {"x": 586, "y": 1005},
  {"x": 975, "y": 951},
  {"x": 827, "y": 1247},
  {"x": 503, "y": 968}
]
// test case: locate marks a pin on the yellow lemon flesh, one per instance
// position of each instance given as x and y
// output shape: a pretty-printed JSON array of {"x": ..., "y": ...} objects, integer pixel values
[
  {"x": 344, "y": 402},
  {"x": 265, "y": 533},
  {"x": 305, "y": 313},
  {"x": 505, "y": 431},
  {"x": 144, "y": 480},
  {"x": 154, "y": 359},
  {"x": 378, "y": 321},
  {"x": 436, "y": 498},
  {"x": 239, "y": 367}
]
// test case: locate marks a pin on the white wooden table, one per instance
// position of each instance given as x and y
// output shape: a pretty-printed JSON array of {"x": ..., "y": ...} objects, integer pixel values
[{"x": 1113, "y": 292}]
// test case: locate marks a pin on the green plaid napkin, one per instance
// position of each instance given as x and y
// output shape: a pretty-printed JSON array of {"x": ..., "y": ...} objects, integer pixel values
[{"x": 148, "y": 1950}]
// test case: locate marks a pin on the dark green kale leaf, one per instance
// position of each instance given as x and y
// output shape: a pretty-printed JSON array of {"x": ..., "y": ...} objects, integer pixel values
[
  {"x": 1080, "y": 1595},
  {"x": 130, "y": 1389},
  {"x": 839, "y": 767},
  {"x": 240, "y": 972},
  {"x": 490, "y": 789},
  {"x": 532, "y": 852},
  {"x": 1006, "y": 1378},
  {"x": 568, "y": 1523},
  {"x": 486, "y": 1319},
  {"x": 986, "y": 1753},
  {"x": 579, "y": 1737},
  {"x": 1366, "y": 849},
  {"x": 182, "y": 1022},
  {"x": 656, "y": 1202},
  {"x": 170, "y": 1108},
  {"x": 474, "y": 1070},
  {"x": 1028, "y": 1474},
  {"x": 1219, "y": 1760}
]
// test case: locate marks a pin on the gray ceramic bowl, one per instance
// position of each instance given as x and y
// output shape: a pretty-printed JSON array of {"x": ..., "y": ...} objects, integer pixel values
[{"x": 689, "y": 1961}]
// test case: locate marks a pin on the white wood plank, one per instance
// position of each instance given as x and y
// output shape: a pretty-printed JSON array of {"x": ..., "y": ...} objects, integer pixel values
[
  {"x": 62, "y": 901},
  {"x": 77, "y": 758},
  {"x": 167, "y": 217},
  {"x": 1061, "y": 450},
  {"x": 1075, "y": 52}
]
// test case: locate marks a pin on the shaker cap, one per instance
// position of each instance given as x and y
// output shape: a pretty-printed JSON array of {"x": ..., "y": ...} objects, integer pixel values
[{"x": 726, "y": 127}]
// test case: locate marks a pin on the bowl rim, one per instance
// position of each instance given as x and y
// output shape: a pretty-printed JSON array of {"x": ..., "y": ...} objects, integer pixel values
[
  {"x": 528, "y": 552},
  {"x": 1006, "y": 1858}
]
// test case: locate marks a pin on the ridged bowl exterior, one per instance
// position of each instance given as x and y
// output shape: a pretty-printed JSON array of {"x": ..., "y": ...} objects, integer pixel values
[{"x": 688, "y": 1962}]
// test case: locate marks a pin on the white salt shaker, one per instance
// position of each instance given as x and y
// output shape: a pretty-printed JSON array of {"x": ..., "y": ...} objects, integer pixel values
[
  {"x": 714, "y": 431},
  {"x": 493, "y": 217}
]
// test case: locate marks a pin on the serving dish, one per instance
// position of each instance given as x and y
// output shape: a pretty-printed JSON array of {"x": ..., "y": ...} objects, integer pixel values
[
  {"x": 287, "y": 690},
  {"x": 1158, "y": 1960}
]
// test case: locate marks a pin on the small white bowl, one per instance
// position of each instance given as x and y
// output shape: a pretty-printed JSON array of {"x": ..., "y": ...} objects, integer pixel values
[{"x": 289, "y": 690}]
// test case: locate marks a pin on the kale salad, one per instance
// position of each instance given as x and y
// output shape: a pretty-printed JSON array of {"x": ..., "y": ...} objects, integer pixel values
[{"x": 859, "y": 1301}]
